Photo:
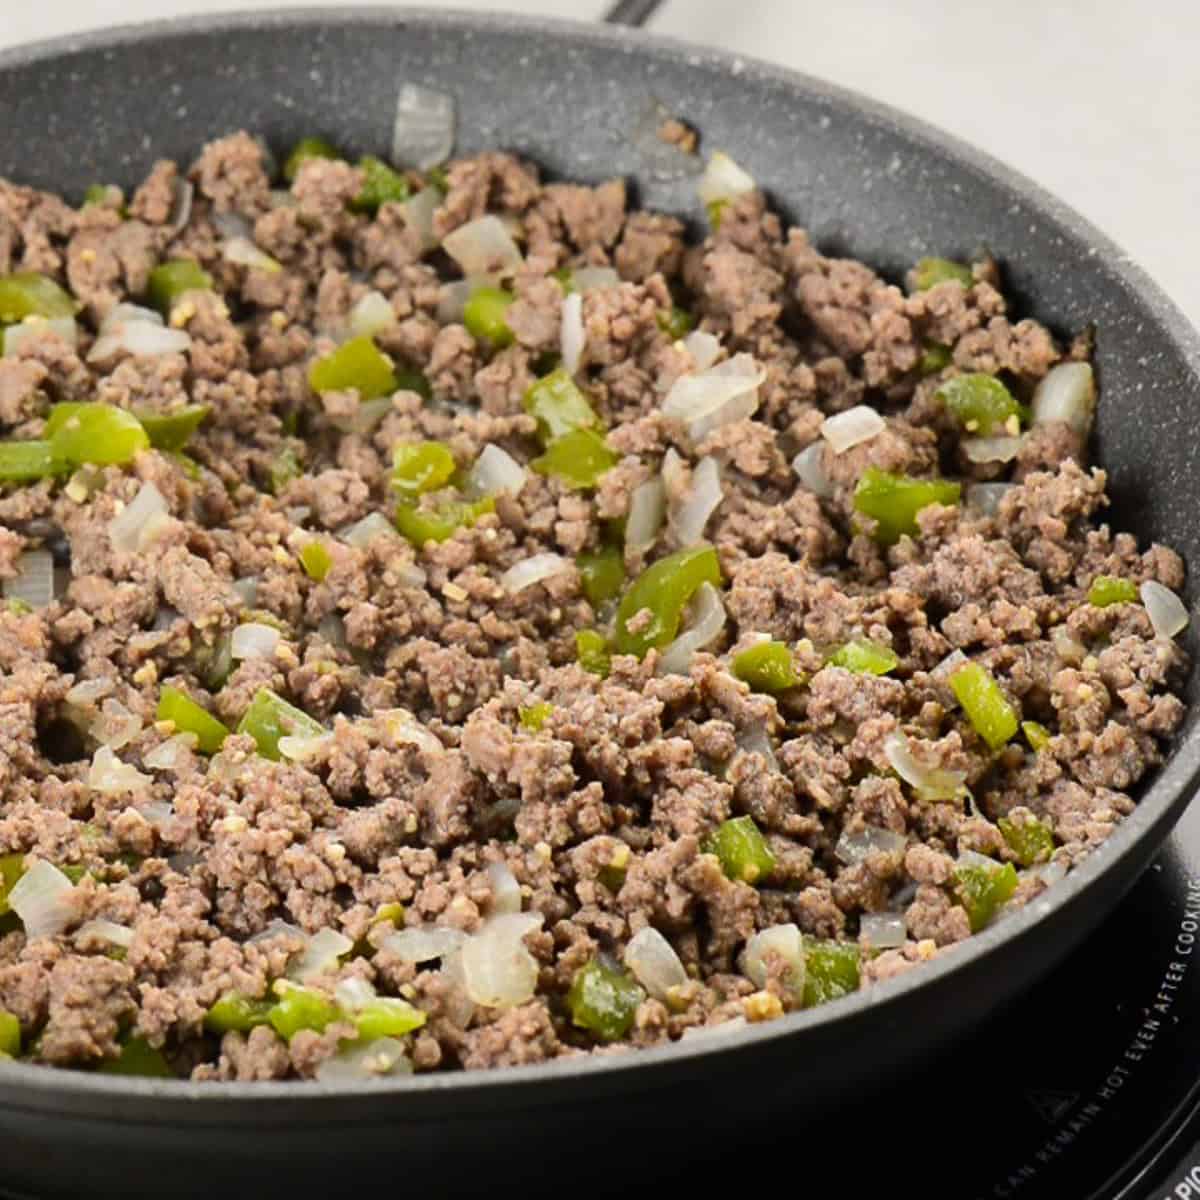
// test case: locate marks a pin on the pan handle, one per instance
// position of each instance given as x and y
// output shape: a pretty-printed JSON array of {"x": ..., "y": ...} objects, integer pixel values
[{"x": 631, "y": 12}]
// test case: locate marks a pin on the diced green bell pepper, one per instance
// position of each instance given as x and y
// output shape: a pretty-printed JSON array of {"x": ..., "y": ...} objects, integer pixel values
[
  {"x": 604, "y": 1001},
  {"x": 591, "y": 648},
  {"x": 677, "y": 323},
  {"x": 305, "y": 150},
  {"x": 831, "y": 969},
  {"x": 982, "y": 890},
  {"x": 894, "y": 501},
  {"x": 10, "y": 1035},
  {"x": 23, "y": 462},
  {"x": 413, "y": 381},
  {"x": 559, "y": 406},
  {"x": 316, "y": 560},
  {"x": 421, "y": 525},
  {"x": 664, "y": 588},
  {"x": 381, "y": 185},
  {"x": 419, "y": 467},
  {"x": 766, "y": 667},
  {"x": 172, "y": 431},
  {"x": 987, "y": 708},
  {"x": 300, "y": 1008},
  {"x": 602, "y": 575},
  {"x": 387, "y": 1017},
  {"x": 1037, "y": 735},
  {"x": 980, "y": 402},
  {"x": 12, "y": 867},
  {"x": 188, "y": 717},
  {"x": 741, "y": 849},
  {"x": 1031, "y": 840},
  {"x": 270, "y": 718},
  {"x": 170, "y": 281},
  {"x": 1112, "y": 589},
  {"x": 358, "y": 364},
  {"x": 934, "y": 358},
  {"x": 715, "y": 210},
  {"x": 235, "y": 1012},
  {"x": 483, "y": 315},
  {"x": 102, "y": 434},
  {"x": 578, "y": 458},
  {"x": 285, "y": 467},
  {"x": 28, "y": 294},
  {"x": 932, "y": 271},
  {"x": 865, "y": 657},
  {"x": 534, "y": 716},
  {"x": 97, "y": 194},
  {"x": 138, "y": 1058}
]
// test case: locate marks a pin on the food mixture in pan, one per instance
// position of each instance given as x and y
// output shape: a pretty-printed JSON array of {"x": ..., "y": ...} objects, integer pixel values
[{"x": 454, "y": 620}]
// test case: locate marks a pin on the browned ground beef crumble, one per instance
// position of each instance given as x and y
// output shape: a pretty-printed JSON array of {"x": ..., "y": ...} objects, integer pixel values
[{"x": 636, "y": 768}]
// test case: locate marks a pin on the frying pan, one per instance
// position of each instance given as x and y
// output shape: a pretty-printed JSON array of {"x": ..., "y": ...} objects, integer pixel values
[{"x": 865, "y": 181}]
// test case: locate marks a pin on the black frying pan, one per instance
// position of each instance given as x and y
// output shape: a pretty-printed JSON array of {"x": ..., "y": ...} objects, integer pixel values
[{"x": 864, "y": 180}]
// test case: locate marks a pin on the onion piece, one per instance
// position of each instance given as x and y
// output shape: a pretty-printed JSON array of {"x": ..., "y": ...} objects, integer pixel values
[
  {"x": 254, "y": 641},
  {"x": 754, "y": 739},
  {"x": 353, "y": 993},
  {"x": 44, "y": 900},
  {"x": 707, "y": 623},
  {"x": 110, "y": 775},
  {"x": 495, "y": 471},
  {"x": 807, "y": 465},
  {"x": 422, "y": 944},
  {"x": 931, "y": 783},
  {"x": 418, "y": 216},
  {"x": 167, "y": 755},
  {"x": 242, "y": 252},
  {"x": 246, "y": 589},
  {"x": 1066, "y": 646},
  {"x": 15, "y": 336},
  {"x": 531, "y": 570},
  {"x": 882, "y": 931},
  {"x": 88, "y": 691},
  {"x": 482, "y": 247},
  {"x": 1067, "y": 393},
  {"x": 401, "y": 726},
  {"x": 371, "y": 313},
  {"x": 321, "y": 954},
  {"x": 852, "y": 427},
  {"x": 854, "y": 848},
  {"x": 362, "y": 533},
  {"x": 592, "y": 279},
  {"x": 991, "y": 449},
  {"x": 106, "y": 931},
  {"x": 783, "y": 941},
  {"x": 424, "y": 127},
  {"x": 647, "y": 508},
  {"x": 986, "y": 497},
  {"x": 972, "y": 858},
  {"x": 1049, "y": 873},
  {"x": 572, "y": 336},
  {"x": 181, "y": 208},
  {"x": 702, "y": 501},
  {"x": 34, "y": 583},
  {"x": 452, "y": 302},
  {"x": 948, "y": 665},
  {"x": 232, "y": 225},
  {"x": 720, "y": 1029},
  {"x": 277, "y": 928},
  {"x": 356, "y": 1062},
  {"x": 1168, "y": 614},
  {"x": 704, "y": 348},
  {"x": 115, "y": 726},
  {"x": 137, "y": 331},
  {"x": 723, "y": 179},
  {"x": 498, "y": 972},
  {"x": 301, "y": 749},
  {"x": 654, "y": 963},
  {"x": 709, "y": 399},
  {"x": 506, "y": 891}
]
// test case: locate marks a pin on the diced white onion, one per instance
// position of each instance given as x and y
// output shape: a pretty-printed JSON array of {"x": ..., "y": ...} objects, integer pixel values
[
  {"x": 856, "y": 847},
  {"x": 647, "y": 508},
  {"x": 453, "y": 300},
  {"x": 106, "y": 931},
  {"x": 882, "y": 931},
  {"x": 506, "y": 891},
  {"x": 356, "y": 1062},
  {"x": 531, "y": 570},
  {"x": 123, "y": 313},
  {"x": 158, "y": 812},
  {"x": 721, "y": 1029},
  {"x": 707, "y": 623},
  {"x": 34, "y": 583},
  {"x": 755, "y": 739},
  {"x": 44, "y": 900},
  {"x": 1049, "y": 873},
  {"x": 15, "y": 336},
  {"x": 932, "y": 783},
  {"x": 593, "y": 279},
  {"x": 1067, "y": 393},
  {"x": 110, "y": 775},
  {"x": 972, "y": 858},
  {"x": 1066, "y": 646},
  {"x": 482, "y": 247},
  {"x": 783, "y": 941},
  {"x": 274, "y": 929},
  {"x": 986, "y": 497},
  {"x": 572, "y": 337},
  {"x": 654, "y": 963},
  {"x": 242, "y": 252},
  {"x": 254, "y": 641},
  {"x": 301, "y": 749},
  {"x": 181, "y": 208},
  {"x": 495, "y": 471},
  {"x": 131, "y": 529},
  {"x": 362, "y": 533},
  {"x": 232, "y": 225},
  {"x": 353, "y": 993},
  {"x": 423, "y": 131},
  {"x": 498, "y": 972},
  {"x": 403, "y": 727},
  {"x": 321, "y": 954},
  {"x": 709, "y": 399},
  {"x": 991, "y": 449},
  {"x": 168, "y": 754},
  {"x": 88, "y": 691},
  {"x": 418, "y": 216},
  {"x": 851, "y": 428},
  {"x": 948, "y": 665},
  {"x": 370, "y": 314},
  {"x": 422, "y": 944},
  {"x": 674, "y": 473},
  {"x": 134, "y": 335},
  {"x": 1166, "y": 611},
  {"x": 246, "y": 590},
  {"x": 704, "y": 348},
  {"x": 807, "y": 465},
  {"x": 702, "y": 501},
  {"x": 723, "y": 179},
  {"x": 115, "y": 726}
]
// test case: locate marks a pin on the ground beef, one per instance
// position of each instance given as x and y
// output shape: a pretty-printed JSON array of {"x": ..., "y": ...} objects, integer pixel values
[{"x": 462, "y": 765}]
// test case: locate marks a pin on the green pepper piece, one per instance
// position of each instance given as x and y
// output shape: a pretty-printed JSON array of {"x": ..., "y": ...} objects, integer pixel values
[
  {"x": 980, "y": 402},
  {"x": 591, "y": 648},
  {"x": 414, "y": 381},
  {"x": 28, "y": 294},
  {"x": 300, "y": 1008},
  {"x": 935, "y": 358},
  {"x": 981, "y": 890},
  {"x": 604, "y": 1001},
  {"x": 358, "y": 364},
  {"x": 766, "y": 667},
  {"x": 1031, "y": 840},
  {"x": 172, "y": 431},
  {"x": 894, "y": 501},
  {"x": 987, "y": 708},
  {"x": 1037, "y": 735},
  {"x": 23, "y": 462},
  {"x": 392, "y": 914},
  {"x": 10, "y": 1035},
  {"x": 566, "y": 279},
  {"x": 559, "y": 406},
  {"x": 483, "y": 315},
  {"x": 421, "y": 525},
  {"x": 664, "y": 588},
  {"x": 932, "y": 271},
  {"x": 139, "y": 1058},
  {"x": 270, "y": 717},
  {"x": 1112, "y": 589},
  {"x": 74, "y": 871},
  {"x": 316, "y": 560},
  {"x": 677, "y": 323},
  {"x": 95, "y": 433},
  {"x": 17, "y": 606},
  {"x": 305, "y": 150},
  {"x": 534, "y": 717},
  {"x": 439, "y": 178},
  {"x": 381, "y": 185},
  {"x": 578, "y": 458},
  {"x": 602, "y": 575},
  {"x": 97, "y": 194},
  {"x": 188, "y": 717},
  {"x": 865, "y": 657},
  {"x": 830, "y": 970},
  {"x": 715, "y": 210},
  {"x": 387, "y": 1017},
  {"x": 12, "y": 867},
  {"x": 742, "y": 850},
  {"x": 285, "y": 467},
  {"x": 419, "y": 467},
  {"x": 235, "y": 1012},
  {"x": 170, "y": 281}
]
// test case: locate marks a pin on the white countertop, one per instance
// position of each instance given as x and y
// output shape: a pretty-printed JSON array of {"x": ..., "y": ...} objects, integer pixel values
[{"x": 1098, "y": 101}]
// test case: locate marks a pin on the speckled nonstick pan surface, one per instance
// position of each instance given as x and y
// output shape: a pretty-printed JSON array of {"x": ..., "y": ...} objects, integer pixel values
[{"x": 864, "y": 180}]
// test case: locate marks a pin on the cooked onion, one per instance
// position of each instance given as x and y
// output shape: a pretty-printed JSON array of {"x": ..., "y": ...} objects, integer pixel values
[
  {"x": 531, "y": 570},
  {"x": 707, "y": 623},
  {"x": 1066, "y": 646},
  {"x": 181, "y": 208},
  {"x": 453, "y": 300},
  {"x": 852, "y": 427},
  {"x": 807, "y": 465},
  {"x": 423, "y": 943},
  {"x": 591, "y": 279},
  {"x": 43, "y": 898},
  {"x": 34, "y": 584},
  {"x": 403, "y": 727},
  {"x": 110, "y": 775},
  {"x": 275, "y": 929},
  {"x": 755, "y": 739},
  {"x": 991, "y": 449},
  {"x": 709, "y": 399},
  {"x": 722, "y": 1028},
  {"x": 654, "y": 963},
  {"x": 882, "y": 931},
  {"x": 137, "y": 331},
  {"x": 986, "y": 497},
  {"x": 423, "y": 131},
  {"x": 647, "y": 507},
  {"x": 15, "y": 336},
  {"x": 356, "y": 1062},
  {"x": 246, "y": 589},
  {"x": 496, "y": 471},
  {"x": 369, "y": 315},
  {"x": 1166, "y": 611},
  {"x": 232, "y": 225},
  {"x": 948, "y": 665},
  {"x": 931, "y": 783},
  {"x": 482, "y": 247},
  {"x": 704, "y": 348},
  {"x": 353, "y": 993},
  {"x": 1067, "y": 393},
  {"x": 88, "y": 691},
  {"x": 856, "y": 847},
  {"x": 321, "y": 954},
  {"x": 418, "y": 216},
  {"x": 506, "y": 891},
  {"x": 783, "y": 941},
  {"x": 498, "y": 972},
  {"x": 169, "y": 754},
  {"x": 723, "y": 179},
  {"x": 301, "y": 749},
  {"x": 702, "y": 501},
  {"x": 254, "y": 641},
  {"x": 115, "y": 726},
  {"x": 362, "y": 533},
  {"x": 131, "y": 529},
  {"x": 572, "y": 336},
  {"x": 1049, "y": 873},
  {"x": 244, "y": 253},
  {"x": 106, "y": 931}
]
